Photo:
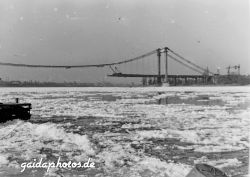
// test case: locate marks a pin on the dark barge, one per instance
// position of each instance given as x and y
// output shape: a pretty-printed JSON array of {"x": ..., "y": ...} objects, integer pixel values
[{"x": 10, "y": 111}]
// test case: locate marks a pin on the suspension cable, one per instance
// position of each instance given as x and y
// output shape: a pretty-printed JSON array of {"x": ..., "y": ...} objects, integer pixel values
[
  {"x": 190, "y": 67},
  {"x": 197, "y": 66},
  {"x": 78, "y": 66}
]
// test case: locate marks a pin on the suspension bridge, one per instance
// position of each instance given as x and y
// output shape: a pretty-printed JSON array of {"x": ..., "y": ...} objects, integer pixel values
[{"x": 148, "y": 66}]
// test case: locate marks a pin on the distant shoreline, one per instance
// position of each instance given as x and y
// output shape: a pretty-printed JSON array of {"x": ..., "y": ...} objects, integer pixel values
[
  {"x": 221, "y": 80},
  {"x": 209, "y": 85}
]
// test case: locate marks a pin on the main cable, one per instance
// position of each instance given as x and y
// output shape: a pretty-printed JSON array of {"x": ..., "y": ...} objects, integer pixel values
[
  {"x": 78, "y": 66},
  {"x": 188, "y": 61},
  {"x": 190, "y": 67}
]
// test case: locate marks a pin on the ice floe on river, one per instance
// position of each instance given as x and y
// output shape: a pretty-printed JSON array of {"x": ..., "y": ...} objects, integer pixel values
[{"x": 130, "y": 131}]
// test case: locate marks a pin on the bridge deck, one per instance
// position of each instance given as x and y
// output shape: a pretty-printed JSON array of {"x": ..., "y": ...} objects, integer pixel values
[{"x": 155, "y": 75}]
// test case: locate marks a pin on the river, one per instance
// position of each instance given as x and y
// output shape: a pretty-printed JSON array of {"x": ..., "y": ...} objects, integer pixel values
[{"x": 128, "y": 132}]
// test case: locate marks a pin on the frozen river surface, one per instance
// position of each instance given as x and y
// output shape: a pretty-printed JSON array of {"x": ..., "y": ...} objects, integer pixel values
[{"x": 128, "y": 132}]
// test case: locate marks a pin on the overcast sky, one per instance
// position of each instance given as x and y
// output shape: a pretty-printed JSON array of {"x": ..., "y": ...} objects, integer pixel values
[{"x": 213, "y": 33}]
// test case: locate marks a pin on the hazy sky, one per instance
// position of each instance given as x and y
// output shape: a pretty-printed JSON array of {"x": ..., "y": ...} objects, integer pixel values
[{"x": 213, "y": 33}]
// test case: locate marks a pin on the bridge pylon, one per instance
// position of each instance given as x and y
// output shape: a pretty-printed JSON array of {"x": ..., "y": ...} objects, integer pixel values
[
  {"x": 159, "y": 67},
  {"x": 166, "y": 64}
]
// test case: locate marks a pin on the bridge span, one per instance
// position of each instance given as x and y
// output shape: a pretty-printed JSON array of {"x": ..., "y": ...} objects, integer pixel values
[
  {"x": 204, "y": 77},
  {"x": 172, "y": 79}
]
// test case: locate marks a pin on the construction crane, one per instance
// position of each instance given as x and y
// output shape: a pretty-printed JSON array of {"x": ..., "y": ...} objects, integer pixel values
[{"x": 236, "y": 67}]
